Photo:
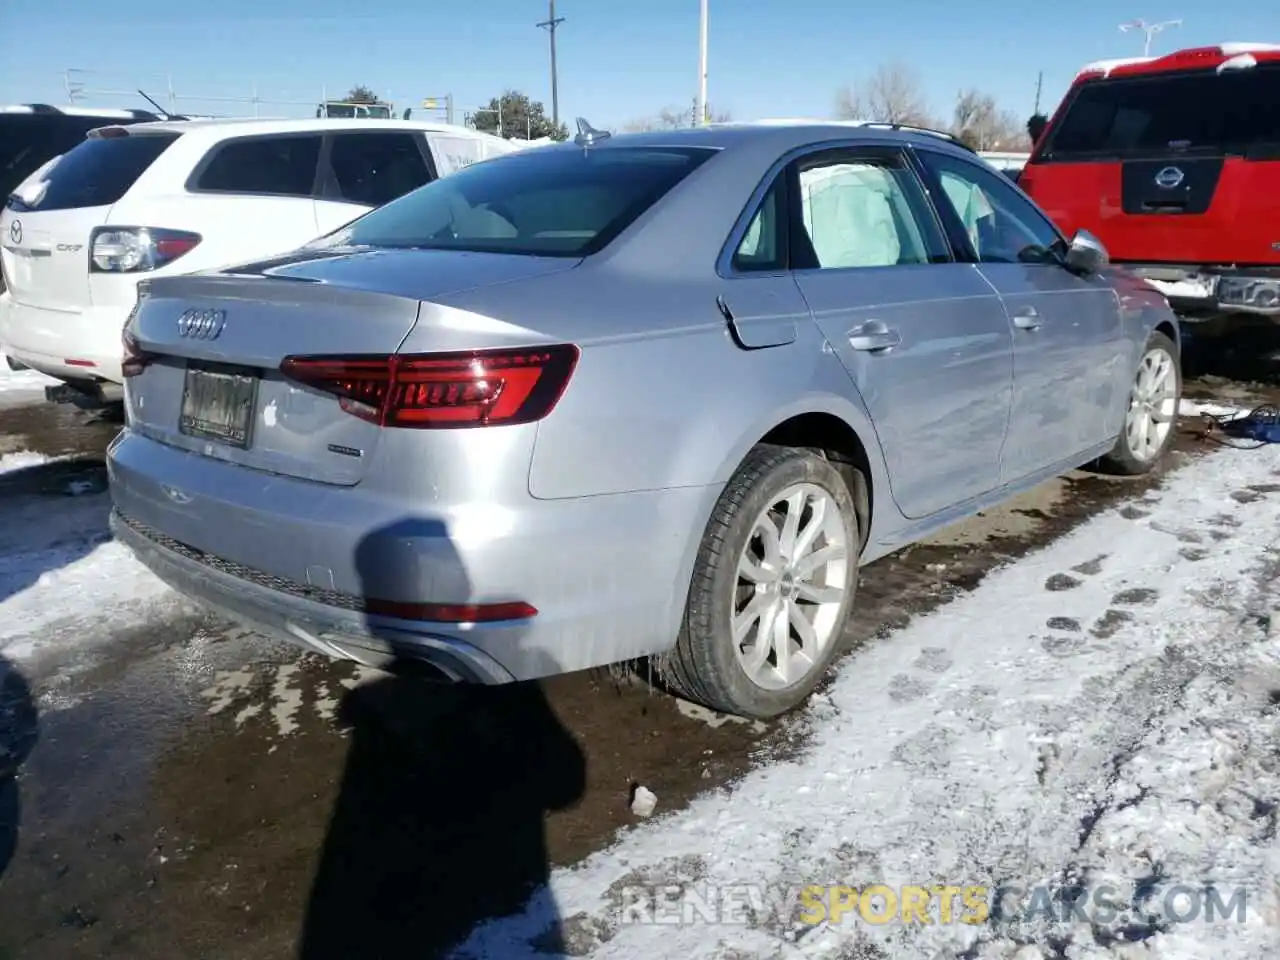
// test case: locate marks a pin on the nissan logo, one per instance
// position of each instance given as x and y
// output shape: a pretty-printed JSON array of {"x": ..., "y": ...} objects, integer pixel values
[
  {"x": 202, "y": 324},
  {"x": 15, "y": 231},
  {"x": 1168, "y": 178}
]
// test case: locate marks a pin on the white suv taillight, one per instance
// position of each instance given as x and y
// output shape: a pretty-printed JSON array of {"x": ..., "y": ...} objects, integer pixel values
[{"x": 137, "y": 249}]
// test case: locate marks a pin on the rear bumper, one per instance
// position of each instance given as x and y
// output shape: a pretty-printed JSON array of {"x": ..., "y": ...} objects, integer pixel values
[
  {"x": 294, "y": 559},
  {"x": 46, "y": 340},
  {"x": 1202, "y": 291},
  {"x": 339, "y": 633}
]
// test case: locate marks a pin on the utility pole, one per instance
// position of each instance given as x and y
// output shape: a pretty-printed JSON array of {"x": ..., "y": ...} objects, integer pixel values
[
  {"x": 701, "y": 107},
  {"x": 550, "y": 25},
  {"x": 1039, "y": 87},
  {"x": 1149, "y": 30}
]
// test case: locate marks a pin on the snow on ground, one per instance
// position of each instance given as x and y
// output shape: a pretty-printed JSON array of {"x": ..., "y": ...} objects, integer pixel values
[
  {"x": 64, "y": 586},
  {"x": 21, "y": 460},
  {"x": 1103, "y": 712},
  {"x": 15, "y": 384}
]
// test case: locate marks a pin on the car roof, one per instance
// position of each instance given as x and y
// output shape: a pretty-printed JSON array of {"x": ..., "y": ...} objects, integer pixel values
[
  {"x": 219, "y": 127},
  {"x": 1219, "y": 56},
  {"x": 782, "y": 134},
  {"x": 46, "y": 110}
]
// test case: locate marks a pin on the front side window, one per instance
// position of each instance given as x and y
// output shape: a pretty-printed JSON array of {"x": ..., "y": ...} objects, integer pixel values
[
  {"x": 375, "y": 168},
  {"x": 865, "y": 211},
  {"x": 281, "y": 166},
  {"x": 1002, "y": 226},
  {"x": 549, "y": 202}
]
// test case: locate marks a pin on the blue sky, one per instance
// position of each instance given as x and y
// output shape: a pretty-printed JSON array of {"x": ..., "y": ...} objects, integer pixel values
[{"x": 619, "y": 59}]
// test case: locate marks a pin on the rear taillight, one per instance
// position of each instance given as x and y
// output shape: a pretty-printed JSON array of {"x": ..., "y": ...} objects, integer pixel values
[
  {"x": 137, "y": 249},
  {"x": 135, "y": 358},
  {"x": 438, "y": 390}
]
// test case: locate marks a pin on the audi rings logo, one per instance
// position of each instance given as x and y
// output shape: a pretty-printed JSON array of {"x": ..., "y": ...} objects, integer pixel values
[
  {"x": 15, "y": 231},
  {"x": 202, "y": 324}
]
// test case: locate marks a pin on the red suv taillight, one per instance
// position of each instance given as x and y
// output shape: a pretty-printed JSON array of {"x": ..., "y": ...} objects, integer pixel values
[{"x": 479, "y": 388}]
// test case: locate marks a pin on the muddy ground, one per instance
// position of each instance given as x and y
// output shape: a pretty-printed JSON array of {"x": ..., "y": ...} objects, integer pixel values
[{"x": 189, "y": 790}]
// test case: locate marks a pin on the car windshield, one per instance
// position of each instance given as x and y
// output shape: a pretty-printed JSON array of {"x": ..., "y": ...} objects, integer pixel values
[
  {"x": 556, "y": 203},
  {"x": 1231, "y": 113}
]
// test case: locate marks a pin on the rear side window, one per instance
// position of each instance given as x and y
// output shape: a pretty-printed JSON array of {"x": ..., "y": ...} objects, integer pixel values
[
  {"x": 1209, "y": 113},
  {"x": 280, "y": 166},
  {"x": 546, "y": 202},
  {"x": 375, "y": 168},
  {"x": 97, "y": 172}
]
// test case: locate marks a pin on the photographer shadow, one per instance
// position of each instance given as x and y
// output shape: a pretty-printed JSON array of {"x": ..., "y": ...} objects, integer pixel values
[
  {"x": 440, "y": 817},
  {"x": 19, "y": 731}
]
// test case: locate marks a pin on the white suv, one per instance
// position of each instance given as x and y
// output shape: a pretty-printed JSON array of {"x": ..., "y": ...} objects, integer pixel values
[{"x": 151, "y": 199}]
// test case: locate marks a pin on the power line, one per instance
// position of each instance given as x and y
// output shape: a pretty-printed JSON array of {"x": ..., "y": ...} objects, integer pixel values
[{"x": 550, "y": 24}]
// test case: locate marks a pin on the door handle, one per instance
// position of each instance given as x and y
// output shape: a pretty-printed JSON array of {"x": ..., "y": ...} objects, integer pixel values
[
  {"x": 874, "y": 337},
  {"x": 1027, "y": 318}
]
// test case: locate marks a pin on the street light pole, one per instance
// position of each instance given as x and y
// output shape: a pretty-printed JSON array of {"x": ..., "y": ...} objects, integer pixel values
[
  {"x": 550, "y": 25},
  {"x": 1149, "y": 30},
  {"x": 702, "y": 65}
]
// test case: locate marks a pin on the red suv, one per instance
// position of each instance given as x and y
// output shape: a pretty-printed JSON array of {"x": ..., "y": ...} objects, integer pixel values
[{"x": 1173, "y": 163}]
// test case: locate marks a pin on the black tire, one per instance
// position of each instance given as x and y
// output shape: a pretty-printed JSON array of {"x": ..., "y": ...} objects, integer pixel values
[
  {"x": 1122, "y": 461},
  {"x": 703, "y": 666}
]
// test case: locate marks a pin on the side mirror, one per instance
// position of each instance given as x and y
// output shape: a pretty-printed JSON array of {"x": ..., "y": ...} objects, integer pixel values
[{"x": 1086, "y": 254}]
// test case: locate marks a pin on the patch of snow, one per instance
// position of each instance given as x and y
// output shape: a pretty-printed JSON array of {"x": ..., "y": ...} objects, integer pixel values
[
  {"x": 81, "y": 602},
  {"x": 1099, "y": 712},
  {"x": 16, "y": 384},
  {"x": 1106, "y": 66},
  {"x": 21, "y": 460},
  {"x": 1236, "y": 49},
  {"x": 1195, "y": 408},
  {"x": 64, "y": 585}
]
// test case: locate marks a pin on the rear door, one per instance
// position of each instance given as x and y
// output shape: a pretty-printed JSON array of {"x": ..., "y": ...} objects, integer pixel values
[
  {"x": 1069, "y": 352},
  {"x": 924, "y": 339},
  {"x": 365, "y": 169},
  {"x": 1177, "y": 167},
  {"x": 44, "y": 233},
  {"x": 247, "y": 197}
]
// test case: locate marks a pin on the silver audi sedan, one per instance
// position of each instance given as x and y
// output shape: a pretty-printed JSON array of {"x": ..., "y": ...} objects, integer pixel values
[{"x": 651, "y": 396}]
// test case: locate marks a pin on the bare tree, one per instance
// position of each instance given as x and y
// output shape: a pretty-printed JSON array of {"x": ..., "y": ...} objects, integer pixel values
[
  {"x": 673, "y": 118},
  {"x": 892, "y": 94},
  {"x": 978, "y": 121}
]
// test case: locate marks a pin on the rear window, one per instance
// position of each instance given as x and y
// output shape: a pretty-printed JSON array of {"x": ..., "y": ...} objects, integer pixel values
[
  {"x": 96, "y": 173},
  {"x": 555, "y": 203},
  {"x": 1209, "y": 113}
]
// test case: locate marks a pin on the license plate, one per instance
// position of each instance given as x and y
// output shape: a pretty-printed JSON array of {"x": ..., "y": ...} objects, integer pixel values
[{"x": 219, "y": 406}]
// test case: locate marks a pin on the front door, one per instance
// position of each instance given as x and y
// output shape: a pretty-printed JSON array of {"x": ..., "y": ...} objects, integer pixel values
[
  {"x": 924, "y": 339},
  {"x": 1070, "y": 361}
]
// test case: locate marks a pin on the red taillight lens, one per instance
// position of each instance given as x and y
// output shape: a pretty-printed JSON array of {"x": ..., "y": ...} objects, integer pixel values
[
  {"x": 429, "y": 391},
  {"x": 135, "y": 358}
]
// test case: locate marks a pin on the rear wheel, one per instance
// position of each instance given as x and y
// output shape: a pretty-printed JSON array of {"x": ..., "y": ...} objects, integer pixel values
[
  {"x": 1152, "y": 411},
  {"x": 772, "y": 587}
]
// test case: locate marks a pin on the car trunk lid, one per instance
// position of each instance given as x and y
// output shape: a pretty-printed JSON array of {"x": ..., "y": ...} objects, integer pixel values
[{"x": 214, "y": 344}]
